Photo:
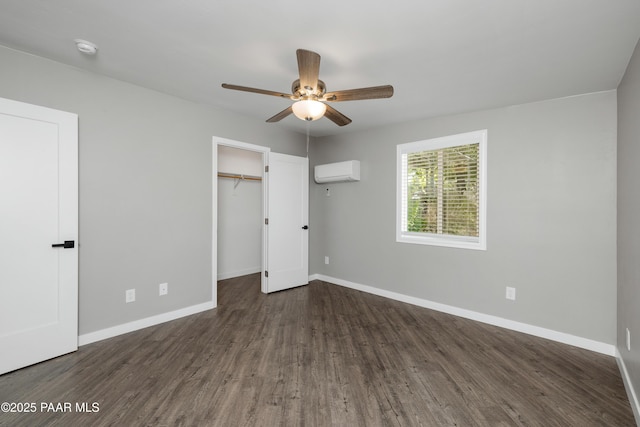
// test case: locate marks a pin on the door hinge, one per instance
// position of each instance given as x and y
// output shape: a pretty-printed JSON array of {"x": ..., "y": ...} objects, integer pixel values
[
  {"x": 266, "y": 221},
  {"x": 266, "y": 168},
  {"x": 266, "y": 273}
]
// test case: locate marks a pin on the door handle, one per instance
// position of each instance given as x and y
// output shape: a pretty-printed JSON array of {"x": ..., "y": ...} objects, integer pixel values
[
  {"x": 68, "y": 244},
  {"x": 305, "y": 227}
]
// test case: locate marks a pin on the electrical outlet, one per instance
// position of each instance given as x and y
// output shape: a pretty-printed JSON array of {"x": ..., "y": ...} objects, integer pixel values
[
  {"x": 163, "y": 288},
  {"x": 628, "y": 340},
  {"x": 511, "y": 293},
  {"x": 130, "y": 295},
  {"x": 326, "y": 260}
]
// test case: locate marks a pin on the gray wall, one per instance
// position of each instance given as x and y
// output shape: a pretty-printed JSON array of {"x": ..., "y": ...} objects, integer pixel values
[
  {"x": 551, "y": 217},
  {"x": 145, "y": 185},
  {"x": 628, "y": 215},
  {"x": 240, "y": 221}
]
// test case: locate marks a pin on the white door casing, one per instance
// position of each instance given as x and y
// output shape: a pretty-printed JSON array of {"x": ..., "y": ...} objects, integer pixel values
[
  {"x": 264, "y": 151},
  {"x": 38, "y": 208},
  {"x": 288, "y": 214}
]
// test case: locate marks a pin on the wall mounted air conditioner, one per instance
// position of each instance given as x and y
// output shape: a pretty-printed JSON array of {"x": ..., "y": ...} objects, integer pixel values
[{"x": 337, "y": 172}]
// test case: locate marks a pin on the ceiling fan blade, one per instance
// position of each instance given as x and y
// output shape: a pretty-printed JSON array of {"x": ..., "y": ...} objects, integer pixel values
[
  {"x": 281, "y": 115},
  {"x": 254, "y": 90},
  {"x": 309, "y": 69},
  {"x": 336, "y": 116},
  {"x": 357, "y": 94}
]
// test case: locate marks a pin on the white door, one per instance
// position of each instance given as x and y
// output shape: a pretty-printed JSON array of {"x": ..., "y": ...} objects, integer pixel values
[
  {"x": 288, "y": 215},
  {"x": 38, "y": 208}
]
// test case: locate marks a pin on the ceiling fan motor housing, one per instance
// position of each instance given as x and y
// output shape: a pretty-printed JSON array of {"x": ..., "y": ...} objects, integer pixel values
[{"x": 302, "y": 93}]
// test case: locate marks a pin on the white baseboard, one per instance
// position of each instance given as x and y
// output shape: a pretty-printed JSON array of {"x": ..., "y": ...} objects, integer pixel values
[
  {"x": 143, "y": 323},
  {"x": 562, "y": 337},
  {"x": 238, "y": 273},
  {"x": 628, "y": 385}
]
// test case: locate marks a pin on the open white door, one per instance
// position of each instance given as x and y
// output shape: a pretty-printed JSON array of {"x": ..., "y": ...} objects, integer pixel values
[
  {"x": 38, "y": 209},
  {"x": 288, "y": 219}
]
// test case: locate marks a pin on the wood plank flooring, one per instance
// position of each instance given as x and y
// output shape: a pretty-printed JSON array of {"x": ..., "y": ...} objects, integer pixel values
[{"x": 321, "y": 355}]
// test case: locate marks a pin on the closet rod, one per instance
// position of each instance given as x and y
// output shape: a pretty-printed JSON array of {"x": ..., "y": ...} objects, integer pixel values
[{"x": 234, "y": 176}]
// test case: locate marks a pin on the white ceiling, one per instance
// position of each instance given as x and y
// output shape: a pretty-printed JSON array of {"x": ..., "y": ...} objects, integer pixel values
[{"x": 441, "y": 56}]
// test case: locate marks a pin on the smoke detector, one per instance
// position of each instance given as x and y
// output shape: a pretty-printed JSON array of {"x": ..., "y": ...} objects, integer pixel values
[{"x": 86, "y": 47}]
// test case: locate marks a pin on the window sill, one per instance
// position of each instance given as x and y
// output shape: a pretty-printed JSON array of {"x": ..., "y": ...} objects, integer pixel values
[{"x": 446, "y": 241}]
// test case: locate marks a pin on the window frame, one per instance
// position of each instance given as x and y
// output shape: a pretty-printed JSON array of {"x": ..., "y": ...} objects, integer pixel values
[{"x": 447, "y": 240}]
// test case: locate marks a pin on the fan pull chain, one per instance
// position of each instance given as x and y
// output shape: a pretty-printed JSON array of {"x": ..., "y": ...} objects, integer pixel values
[{"x": 308, "y": 127}]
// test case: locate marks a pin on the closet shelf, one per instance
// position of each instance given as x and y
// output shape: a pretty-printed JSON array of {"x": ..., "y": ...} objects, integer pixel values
[{"x": 236, "y": 176}]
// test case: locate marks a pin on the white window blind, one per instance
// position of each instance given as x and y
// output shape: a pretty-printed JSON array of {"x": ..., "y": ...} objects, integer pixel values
[{"x": 441, "y": 187}]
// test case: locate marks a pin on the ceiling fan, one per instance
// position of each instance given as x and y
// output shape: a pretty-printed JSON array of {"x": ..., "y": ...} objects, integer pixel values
[{"x": 311, "y": 95}]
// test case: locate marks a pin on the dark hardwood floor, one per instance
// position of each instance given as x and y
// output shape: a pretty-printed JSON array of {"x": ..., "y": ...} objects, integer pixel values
[{"x": 321, "y": 355}]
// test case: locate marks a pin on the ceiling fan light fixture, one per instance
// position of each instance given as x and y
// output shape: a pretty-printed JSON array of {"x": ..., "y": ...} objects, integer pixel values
[{"x": 309, "y": 109}]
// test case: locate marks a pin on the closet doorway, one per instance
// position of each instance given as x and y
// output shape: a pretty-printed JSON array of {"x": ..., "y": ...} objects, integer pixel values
[
  {"x": 239, "y": 171},
  {"x": 239, "y": 201}
]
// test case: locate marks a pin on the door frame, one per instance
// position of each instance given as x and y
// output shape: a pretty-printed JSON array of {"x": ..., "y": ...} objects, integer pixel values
[{"x": 217, "y": 141}]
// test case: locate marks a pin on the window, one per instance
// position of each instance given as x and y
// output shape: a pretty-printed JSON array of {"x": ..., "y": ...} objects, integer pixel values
[{"x": 441, "y": 194}]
